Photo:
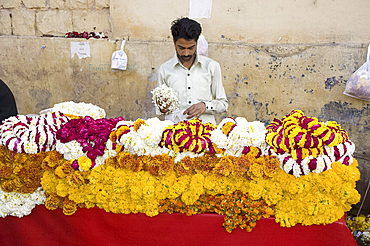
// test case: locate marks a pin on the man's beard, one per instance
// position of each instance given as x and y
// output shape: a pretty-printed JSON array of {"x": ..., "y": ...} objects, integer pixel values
[{"x": 186, "y": 58}]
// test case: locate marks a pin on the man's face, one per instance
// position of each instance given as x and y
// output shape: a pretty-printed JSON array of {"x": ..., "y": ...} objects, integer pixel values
[{"x": 185, "y": 49}]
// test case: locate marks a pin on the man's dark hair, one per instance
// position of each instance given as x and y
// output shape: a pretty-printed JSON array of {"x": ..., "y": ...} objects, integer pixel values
[{"x": 185, "y": 28}]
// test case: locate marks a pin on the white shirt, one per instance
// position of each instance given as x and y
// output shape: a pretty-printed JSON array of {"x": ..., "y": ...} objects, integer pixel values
[{"x": 201, "y": 83}]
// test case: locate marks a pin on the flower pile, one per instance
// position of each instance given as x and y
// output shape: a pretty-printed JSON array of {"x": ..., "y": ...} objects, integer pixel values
[
  {"x": 24, "y": 134},
  {"x": 84, "y": 141},
  {"x": 151, "y": 182},
  {"x": 297, "y": 169},
  {"x": 164, "y": 96},
  {"x": 303, "y": 144}
]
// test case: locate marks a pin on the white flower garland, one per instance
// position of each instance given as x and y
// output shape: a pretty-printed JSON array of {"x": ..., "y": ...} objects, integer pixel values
[
  {"x": 18, "y": 204},
  {"x": 80, "y": 109},
  {"x": 31, "y": 135},
  {"x": 244, "y": 134},
  {"x": 342, "y": 153},
  {"x": 165, "y": 95},
  {"x": 147, "y": 138}
]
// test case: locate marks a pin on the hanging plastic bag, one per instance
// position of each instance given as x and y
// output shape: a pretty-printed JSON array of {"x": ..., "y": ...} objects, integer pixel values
[
  {"x": 358, "y": 85},
  {"x": 119, "y": 58},
  {"x": 202, "y": 46}
]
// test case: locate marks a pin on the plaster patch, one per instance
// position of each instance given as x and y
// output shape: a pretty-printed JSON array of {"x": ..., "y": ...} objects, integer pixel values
[
  {"x": 333, "y": 81},
  {"x": 41, "y": 96}
]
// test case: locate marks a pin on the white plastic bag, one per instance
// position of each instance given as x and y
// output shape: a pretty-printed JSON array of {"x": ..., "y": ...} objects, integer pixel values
[
  {"x": 358, "y": 85},
  {"x": 119, "y": 58},
  {"x": 202, "y": 46}
]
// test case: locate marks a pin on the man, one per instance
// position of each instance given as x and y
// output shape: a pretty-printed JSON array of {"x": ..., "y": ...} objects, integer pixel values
[
  {"x": 196, "y": 78},
  {"x": 8, "y": 106}
]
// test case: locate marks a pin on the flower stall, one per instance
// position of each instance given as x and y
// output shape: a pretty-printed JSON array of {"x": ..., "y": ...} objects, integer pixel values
[{"x": 152, "y": 181}]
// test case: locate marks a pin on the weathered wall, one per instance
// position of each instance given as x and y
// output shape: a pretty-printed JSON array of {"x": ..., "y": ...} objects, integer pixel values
[{"x": 276, "y": 56}]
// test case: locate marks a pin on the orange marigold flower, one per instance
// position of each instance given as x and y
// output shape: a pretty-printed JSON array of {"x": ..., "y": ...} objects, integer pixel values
[
  {"x": 11, "y": 185},
  {"x": 53, "y": 202},
  {"x": 75, "y": 178},
  {"x": 138, "y": 123},
  {"x": 69, "y": 207},
  {"x": 227, "y": 127},
  {"x": 6, "y": 170}
]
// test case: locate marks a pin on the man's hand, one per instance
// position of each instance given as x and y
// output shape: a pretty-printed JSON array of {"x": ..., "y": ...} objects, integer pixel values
[
  {"x": 163, "y": 107},
  {"x": 195, "y": 110}
]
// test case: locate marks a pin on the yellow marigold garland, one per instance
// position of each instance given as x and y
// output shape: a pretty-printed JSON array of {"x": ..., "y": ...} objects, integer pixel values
[{"x": 312, "y": 199}]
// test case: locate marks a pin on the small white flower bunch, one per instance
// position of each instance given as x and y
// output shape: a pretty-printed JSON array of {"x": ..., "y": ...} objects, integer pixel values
[{"x": 163, "y": 96}]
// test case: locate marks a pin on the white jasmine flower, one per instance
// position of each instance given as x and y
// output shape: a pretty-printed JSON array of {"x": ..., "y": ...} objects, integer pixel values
[{"x": 165, "y": 95}]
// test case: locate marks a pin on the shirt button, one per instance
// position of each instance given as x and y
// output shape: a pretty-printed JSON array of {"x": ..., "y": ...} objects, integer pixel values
[
  {"x": 188, "y": 74},
  {"x": 189, "y": 102},
  {"x": 189, "y": 88}
]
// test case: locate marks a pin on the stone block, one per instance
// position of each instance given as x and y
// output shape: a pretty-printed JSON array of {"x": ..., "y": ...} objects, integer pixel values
[
  {"x": 5, "y": 22},
  {"x": 101, "y": 4},
  {"x": 54, "y": 22},
  {"x": 91, "y": 21},
  {"x": 32, "y": 4},
  {"x": 23, "y": 21},
  {"x": 77, "y": 4},
  {"x": 10, "y": 3},
  {"x": 57, "y": 4}
]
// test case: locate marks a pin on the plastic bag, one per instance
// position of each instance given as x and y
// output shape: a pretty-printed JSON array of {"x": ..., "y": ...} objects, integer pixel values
[
  {"x": 358, "y": 85},
  {"x": 202, "y": 46},
  {"x": 119, "y": 58}
]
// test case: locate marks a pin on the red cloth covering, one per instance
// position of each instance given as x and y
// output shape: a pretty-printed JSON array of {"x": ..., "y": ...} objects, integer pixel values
[{"x": 97, "y": 227}]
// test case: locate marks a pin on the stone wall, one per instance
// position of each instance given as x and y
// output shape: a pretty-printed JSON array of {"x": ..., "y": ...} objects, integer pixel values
[{"x": 275, "y": 55}]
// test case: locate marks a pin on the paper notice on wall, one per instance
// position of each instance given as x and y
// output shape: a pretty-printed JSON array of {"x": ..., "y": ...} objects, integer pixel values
[
  {"x": 82, "y": 49},
  {"x": 200, "y": 8}
]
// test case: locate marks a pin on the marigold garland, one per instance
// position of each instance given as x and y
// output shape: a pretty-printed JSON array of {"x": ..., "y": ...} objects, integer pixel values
[
  {"x": 20, "y": 172},
  {"x": 193, "y": 136},
  {"x": 239, "y": 210},
  {"x": 302, "y": 136},
  {"x": 150, "y": 182}
]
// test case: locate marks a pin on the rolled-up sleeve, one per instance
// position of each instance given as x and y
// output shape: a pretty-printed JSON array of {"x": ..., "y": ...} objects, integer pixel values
[{"x": 219, "y": 102}]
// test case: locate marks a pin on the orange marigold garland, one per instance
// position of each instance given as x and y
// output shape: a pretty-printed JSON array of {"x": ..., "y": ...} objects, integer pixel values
[
  {"x": 239, "y": 210},
  {"x": 20, "y": 172}
]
